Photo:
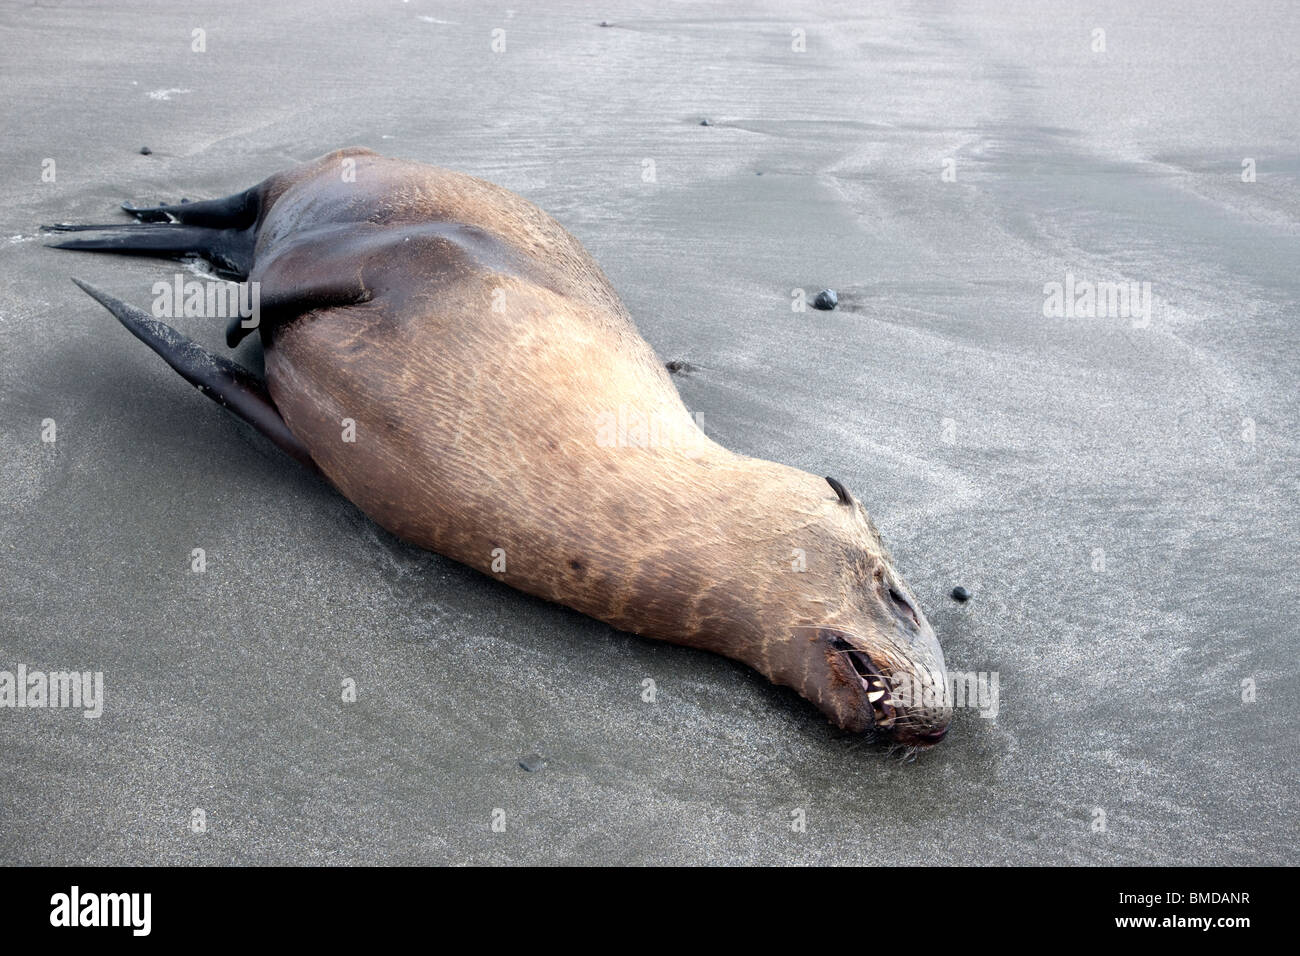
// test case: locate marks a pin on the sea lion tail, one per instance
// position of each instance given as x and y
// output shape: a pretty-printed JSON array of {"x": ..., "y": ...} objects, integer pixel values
[{"x": 229, "y": 385}]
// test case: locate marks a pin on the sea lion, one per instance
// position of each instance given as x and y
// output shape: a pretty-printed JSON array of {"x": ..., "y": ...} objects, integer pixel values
[{"x": 505, "y": 412}]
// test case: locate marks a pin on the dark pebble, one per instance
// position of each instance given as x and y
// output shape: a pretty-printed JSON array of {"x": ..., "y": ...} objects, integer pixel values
[
  {"x": 146, "y": 151},
  {"x": 959, "y": 593},
  {"x": 826, "y": 300},
  {"x": 532, "y": 763}
]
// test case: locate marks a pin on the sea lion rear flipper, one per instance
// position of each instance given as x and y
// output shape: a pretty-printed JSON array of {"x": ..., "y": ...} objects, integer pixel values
[
  {"x": 231, "y": 250},
  {"x": 219, "y": 230},
  {"x": 229, "y": 212},
  {"x": 226, "y": 383}
]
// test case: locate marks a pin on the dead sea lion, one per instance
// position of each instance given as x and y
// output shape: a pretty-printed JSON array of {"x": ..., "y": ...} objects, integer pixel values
[{"x": 505, "y": 412}]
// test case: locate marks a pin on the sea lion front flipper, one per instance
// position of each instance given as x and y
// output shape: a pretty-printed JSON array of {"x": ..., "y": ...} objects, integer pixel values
[
  {"x": 226, "y": 383},
  {"x": 320, "y": 272}
]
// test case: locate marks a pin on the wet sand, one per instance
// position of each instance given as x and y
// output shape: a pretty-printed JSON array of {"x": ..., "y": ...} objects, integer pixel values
[{"x": 996, "y": 448}]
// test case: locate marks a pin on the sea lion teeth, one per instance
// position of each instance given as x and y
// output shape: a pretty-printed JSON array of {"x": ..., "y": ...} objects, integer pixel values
[{"x": 455, "y": 363}]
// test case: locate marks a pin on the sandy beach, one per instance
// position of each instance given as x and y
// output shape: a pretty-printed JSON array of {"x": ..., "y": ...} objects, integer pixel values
[{"x": 1117, "y": 491}]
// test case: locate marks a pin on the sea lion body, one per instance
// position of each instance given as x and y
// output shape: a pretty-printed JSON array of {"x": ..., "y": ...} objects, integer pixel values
[{"x": 457, "y": 365}]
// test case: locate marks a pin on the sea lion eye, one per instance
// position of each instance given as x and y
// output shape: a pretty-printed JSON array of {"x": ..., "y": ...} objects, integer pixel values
[{"x": 903, "y": 605}]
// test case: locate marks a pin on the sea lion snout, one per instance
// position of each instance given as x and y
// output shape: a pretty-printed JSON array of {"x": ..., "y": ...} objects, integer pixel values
[
  {"x": 913, "y": 661},
  {"x": 877, "y": 664},
  {"x": 893, "y": 674}
]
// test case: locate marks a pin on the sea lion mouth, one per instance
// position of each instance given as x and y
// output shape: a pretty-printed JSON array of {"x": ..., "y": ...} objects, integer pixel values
[{"x": 874, "y": 685}]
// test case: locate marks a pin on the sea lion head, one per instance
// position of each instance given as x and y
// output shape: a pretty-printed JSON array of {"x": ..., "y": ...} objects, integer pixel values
[{"x": 876, "y": 662}]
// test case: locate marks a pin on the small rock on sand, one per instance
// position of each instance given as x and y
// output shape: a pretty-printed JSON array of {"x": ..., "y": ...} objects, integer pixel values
[
  {"x": 826, "y": 300},
  {"x": 532, "y": 763}
]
